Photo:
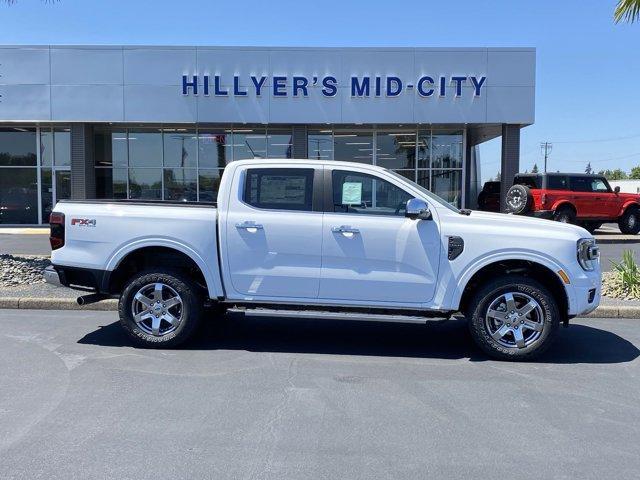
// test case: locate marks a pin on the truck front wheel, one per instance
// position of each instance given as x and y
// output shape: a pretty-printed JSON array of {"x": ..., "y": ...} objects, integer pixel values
[
  {"x": 629, "y": 222},
  {"x": 513, "y": 318},
  {"x": 160, "y": 308}
]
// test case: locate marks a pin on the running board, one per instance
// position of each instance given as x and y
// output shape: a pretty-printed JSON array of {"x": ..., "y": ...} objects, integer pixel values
[{"x": 327, "y": 315}]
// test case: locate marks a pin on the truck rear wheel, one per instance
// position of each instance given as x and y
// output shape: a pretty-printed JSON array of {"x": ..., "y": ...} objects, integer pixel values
[
  {"x": 160, "y": 308},
  {"x": 513, "y": 318},
  {"x": 629, "y": 222},
  {"x": 565, "y": 215}
]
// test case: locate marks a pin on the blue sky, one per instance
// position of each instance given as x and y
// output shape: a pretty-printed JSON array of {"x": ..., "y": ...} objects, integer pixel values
[{"x": 588, "y": 69}]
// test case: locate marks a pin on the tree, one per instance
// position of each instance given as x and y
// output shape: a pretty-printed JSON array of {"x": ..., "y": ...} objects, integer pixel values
[
  {"x": 635, "y": 173},
  {"x": 497, "y": 177},
  {"x": 616, "y": 174},
  {"x": 627, "y": 10},
  {"x": 588, "y": 170},
  {"x": 535, "y": 168}
]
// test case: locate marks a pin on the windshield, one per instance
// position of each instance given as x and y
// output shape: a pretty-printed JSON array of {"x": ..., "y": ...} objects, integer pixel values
[{"x": 426, "y": 192}]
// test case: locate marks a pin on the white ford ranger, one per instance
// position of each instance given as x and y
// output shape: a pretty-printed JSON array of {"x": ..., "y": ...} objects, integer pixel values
[{"x": 328, "y": 239}]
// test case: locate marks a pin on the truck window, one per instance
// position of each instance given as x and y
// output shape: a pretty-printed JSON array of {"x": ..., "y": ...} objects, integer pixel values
[
  {"x": 279, "y": 188},
  {"x": 531, "y": 181},
  {"x": 368, "y": 195},
  {"x": 598, "y": 185},
  {"x": 581, "y": 184},
  {"x": 557, "y": 182}
]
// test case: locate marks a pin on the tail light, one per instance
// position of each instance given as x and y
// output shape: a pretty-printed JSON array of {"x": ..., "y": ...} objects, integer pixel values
[{"x": 56, "y": 238}]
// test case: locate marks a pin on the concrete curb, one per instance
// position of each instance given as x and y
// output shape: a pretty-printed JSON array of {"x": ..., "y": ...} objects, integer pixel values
[
  {"x": 32, "y": 303},
  {"x": 39, "y": 303},
  {"x": 607, "y": 240}
]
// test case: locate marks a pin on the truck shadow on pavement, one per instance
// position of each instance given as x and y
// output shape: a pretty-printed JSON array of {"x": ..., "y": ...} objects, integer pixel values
[{"x": 447, "y": 339}]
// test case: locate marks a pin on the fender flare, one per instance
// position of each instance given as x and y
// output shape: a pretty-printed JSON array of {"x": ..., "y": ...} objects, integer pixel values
[
  {"x": 214, "y": 285},
  {"x": 563, "y": 203},
  {"x": 628, "y": 204},
  {"x": 506, "y": 255}
]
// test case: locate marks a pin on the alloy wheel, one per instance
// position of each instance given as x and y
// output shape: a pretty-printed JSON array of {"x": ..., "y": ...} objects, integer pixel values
[
  {"x": 157, "y": 309},
  {"x": 514, "y": 320}
]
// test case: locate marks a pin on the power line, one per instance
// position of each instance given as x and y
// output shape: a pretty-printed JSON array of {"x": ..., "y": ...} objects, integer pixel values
[{"x": 611, "y": 139}]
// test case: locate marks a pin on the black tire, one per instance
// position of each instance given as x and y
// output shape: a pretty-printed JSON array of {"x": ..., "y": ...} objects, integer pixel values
[
  {"x": 519, "y": 199},
  {"x": 629, "y": 222},
  {"x": 565, "y": 215},
  {"x": 188, "y": 312},
  {"x": 481, "y": 326}
]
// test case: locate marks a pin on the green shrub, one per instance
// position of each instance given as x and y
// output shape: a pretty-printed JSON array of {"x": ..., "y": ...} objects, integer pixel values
[{"x": 628, "y": 274}]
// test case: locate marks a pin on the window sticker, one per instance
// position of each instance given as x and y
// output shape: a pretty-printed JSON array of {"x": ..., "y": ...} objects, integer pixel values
[{"x": 352, "y": 193}]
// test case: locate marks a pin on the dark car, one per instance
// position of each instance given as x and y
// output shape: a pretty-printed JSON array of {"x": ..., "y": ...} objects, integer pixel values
[{"x": 489, "y": 198}]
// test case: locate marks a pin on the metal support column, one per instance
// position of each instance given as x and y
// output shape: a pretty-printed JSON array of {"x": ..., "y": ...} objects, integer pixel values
[
  {"x": 510, "y": 159},
  {"x": 83, "y": 174}
]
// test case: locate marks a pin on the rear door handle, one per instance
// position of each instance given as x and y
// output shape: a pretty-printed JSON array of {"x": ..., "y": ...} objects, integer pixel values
[
  {"x": 345, "y": 229},
  {"x": 249, "y": 226}
]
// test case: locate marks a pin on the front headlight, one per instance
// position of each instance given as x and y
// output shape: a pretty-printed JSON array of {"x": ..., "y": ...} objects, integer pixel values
[{"x": 588, "y": 253}]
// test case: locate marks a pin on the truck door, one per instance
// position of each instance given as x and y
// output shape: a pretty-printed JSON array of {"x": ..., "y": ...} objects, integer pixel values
[
  {"x": 273, "y": 229},
  {"x": 370, "y": 250}
]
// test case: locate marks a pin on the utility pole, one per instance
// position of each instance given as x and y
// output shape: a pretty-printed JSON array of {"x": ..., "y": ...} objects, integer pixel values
[{"x": 545, "y": 148}]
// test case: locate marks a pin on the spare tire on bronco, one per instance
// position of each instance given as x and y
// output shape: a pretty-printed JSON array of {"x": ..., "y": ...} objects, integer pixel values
[{"x": 519, "y": 199}]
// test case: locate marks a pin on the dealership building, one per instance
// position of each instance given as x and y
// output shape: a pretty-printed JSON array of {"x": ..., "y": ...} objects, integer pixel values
[{"x": 161, "y": 123}]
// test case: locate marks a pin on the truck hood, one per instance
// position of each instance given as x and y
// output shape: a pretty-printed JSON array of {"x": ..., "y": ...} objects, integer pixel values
[{"x": 523, "y": 225}]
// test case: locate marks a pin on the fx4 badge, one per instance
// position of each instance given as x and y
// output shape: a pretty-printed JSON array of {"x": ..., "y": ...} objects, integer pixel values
[{"x": 83, "y": 222}]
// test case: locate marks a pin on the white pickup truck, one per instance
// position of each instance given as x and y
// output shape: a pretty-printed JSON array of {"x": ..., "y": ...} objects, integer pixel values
[{"x": 328, "y": 239}]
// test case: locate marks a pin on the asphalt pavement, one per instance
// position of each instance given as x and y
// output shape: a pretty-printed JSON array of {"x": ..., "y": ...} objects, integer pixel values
[{"x": 303, "y": 399}]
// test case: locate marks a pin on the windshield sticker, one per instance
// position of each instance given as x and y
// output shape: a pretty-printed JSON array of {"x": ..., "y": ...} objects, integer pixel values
[{"x": 352, "y": 193}]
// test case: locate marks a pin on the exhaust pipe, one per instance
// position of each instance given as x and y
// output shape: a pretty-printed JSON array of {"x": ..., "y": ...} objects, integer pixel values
[{"x": 89, "y": 299}]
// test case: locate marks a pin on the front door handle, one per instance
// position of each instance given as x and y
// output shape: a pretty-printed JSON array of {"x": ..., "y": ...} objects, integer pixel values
[
  {"x": 249, "y": 226},
  {"x": 345, "y": 229}
]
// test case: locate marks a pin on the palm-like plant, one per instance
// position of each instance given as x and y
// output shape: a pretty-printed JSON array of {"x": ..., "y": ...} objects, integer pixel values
[{"x": 627, "y": 10}]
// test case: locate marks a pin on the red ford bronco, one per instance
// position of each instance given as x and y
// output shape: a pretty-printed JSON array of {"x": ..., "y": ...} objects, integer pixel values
[{"x": 582, "y": 199}]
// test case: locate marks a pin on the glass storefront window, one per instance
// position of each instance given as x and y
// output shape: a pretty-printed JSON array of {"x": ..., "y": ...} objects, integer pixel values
[
  {"x": 111, "y": 183},
  {"x": 18, "y": 147},
  {"x": 214, "y": 148},
  {"x": 249, "y": 143},
  {"x": 209, "y": 181},
  {"x": 62, "y": 147},
  {"x": 180, "y": 184},
  {"x": 145, "y": 148},
  {"x": 279, "y": 144},
  {"x": 180, "y": 148},
  {"x": 145, "y": 183},
  {"x": 46, "y": 193},
  {"x": 46, "y": 147},
  {"x": 353, "y": 147},
  {"x": 396, "y": 150},
  {"x": 447, "y": 185},
  {"x": 110, "y": 148},
  {"x": 446, "y": 149},
  {"x": 18, "y": 195},
  {"x": 320, "y": 145},
  {"x": 424, "y": 149}
]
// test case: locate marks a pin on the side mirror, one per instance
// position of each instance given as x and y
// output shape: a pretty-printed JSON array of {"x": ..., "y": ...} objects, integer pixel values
[
  {"x": 417, "y": 209},
  {"x": 617, "y": 189}
]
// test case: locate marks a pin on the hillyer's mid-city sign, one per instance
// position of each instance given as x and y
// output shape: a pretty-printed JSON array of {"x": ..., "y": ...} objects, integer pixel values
[
  {"x": 270, "y": 85},
  {"x": 301, "y": 86}
]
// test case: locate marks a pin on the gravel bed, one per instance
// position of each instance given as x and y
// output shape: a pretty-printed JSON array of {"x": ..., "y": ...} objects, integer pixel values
[{"x": 18, "y": 270}]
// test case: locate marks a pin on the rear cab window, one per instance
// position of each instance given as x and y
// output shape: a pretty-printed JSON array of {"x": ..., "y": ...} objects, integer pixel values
[
  {"x": 531, "y": 181},
  {"x": 279, "y": 188}
]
